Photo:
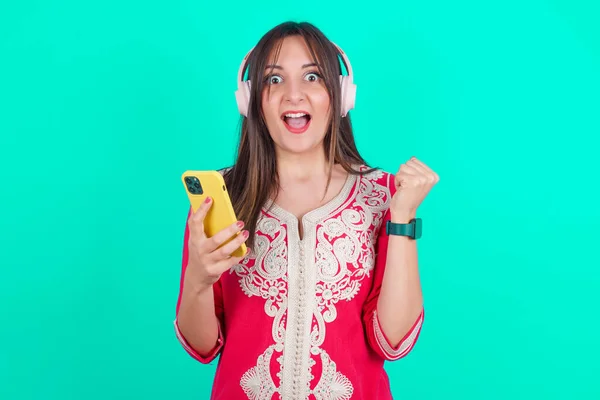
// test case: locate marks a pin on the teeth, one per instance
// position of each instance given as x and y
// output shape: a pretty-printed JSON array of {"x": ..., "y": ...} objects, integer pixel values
[{"x": 296, "y": 115}]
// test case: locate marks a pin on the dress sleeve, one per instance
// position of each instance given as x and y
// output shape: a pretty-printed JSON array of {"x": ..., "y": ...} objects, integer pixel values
[
  {"x": 218, "y": 299},
  {"x": 376, "y": 338}
]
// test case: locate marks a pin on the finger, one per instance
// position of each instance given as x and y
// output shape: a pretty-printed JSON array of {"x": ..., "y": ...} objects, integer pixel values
[
  {"x": 226, "y": 264},
  {"x": 415, "y": 160},
  {"x": 223, "y": 235},
  {"x": 424, "y": 169},
  {"x": 408, "y": 169},
  {"x": 228, "y": 248},
  {"x": 403, "y": 173},
  {"x": 417, "y": 165},
  {"x": 196, "y": 221},
  {"x": 403, "y": 179},
  {"x": 200, "y": 213}
]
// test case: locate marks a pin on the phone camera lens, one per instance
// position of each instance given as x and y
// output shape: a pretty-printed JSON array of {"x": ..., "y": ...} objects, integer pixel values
[{"x": 193, "y": 184}]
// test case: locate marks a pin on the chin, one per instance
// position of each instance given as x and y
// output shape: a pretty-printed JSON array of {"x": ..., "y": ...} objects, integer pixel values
[{"x": 299, "y": 143}]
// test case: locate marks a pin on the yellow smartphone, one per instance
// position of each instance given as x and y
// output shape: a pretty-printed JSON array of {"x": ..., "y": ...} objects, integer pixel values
[{"x": 201, "y": 184}]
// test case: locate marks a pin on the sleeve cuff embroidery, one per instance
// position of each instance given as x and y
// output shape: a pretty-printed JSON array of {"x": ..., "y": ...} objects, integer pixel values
[
  {"x": 405, "y": 345},
  {"x": 202, "y": 358}
]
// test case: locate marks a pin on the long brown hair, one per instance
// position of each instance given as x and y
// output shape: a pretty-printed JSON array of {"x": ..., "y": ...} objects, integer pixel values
[{"x": 253, "y": 180}]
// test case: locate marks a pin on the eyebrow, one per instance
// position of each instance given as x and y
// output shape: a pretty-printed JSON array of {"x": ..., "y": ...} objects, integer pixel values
[{"x": 275, "y": 66}]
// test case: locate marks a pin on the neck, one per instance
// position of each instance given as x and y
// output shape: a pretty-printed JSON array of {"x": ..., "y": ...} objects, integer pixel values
[{"x": 302, "y": 167}]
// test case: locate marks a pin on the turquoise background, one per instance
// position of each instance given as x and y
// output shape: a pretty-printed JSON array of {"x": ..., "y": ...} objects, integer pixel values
[{"x": 103, "y": 104}]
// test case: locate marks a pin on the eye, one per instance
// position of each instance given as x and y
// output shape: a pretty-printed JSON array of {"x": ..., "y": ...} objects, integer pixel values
[
  {"x": 313, "y": 76},
  {"x": 273, "y": 79}
]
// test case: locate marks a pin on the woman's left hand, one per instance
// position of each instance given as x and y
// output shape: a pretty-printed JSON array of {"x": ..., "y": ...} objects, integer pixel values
[{"x": 413, "y": 182}]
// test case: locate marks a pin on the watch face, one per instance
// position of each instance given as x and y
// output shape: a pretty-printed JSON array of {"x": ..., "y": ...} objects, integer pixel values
[{"x": 418, "y": 224}]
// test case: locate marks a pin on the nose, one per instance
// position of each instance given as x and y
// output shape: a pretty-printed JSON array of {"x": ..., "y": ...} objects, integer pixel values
[{"x": 294, "y": 92}]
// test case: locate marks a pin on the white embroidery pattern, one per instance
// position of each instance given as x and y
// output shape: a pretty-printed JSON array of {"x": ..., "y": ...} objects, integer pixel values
[
  {"x": 265, "y": 276},
  {"x": 345, "y": 255},
  {"x": 333, "y": 385},
  {"x": 404, "y": 346},
  {"x": 303, "y": 280}
]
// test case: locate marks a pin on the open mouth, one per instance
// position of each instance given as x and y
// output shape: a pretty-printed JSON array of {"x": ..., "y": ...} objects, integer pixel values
[{"x": 297, "y": 121}]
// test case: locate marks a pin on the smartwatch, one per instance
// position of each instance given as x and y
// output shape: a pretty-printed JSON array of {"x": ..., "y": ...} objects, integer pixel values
[{"x": 413, "y": 229}]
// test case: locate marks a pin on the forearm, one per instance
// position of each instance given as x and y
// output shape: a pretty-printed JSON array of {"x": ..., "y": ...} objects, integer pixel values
[
  {"x": 400, "y": 301},
  {"x": 196, "y": 318}
]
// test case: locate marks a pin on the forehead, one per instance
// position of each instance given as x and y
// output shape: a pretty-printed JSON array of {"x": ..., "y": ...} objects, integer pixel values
[{"x": 294, "y": 52}]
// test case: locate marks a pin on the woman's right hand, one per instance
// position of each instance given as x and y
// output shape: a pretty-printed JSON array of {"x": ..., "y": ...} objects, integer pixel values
[{"x": 206, "y": 261}]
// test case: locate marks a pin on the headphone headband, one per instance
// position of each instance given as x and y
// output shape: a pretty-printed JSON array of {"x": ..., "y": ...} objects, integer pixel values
[
  {"x": 348, "y": 91},
  {"x": 242, "y": 65},
  {"x": 346, "y": 60}
]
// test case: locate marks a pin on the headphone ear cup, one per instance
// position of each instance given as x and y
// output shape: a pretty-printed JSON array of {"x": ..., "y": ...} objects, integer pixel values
[
  {"x": 242, "y": 96},
  {"x": 348, "y": 94}
]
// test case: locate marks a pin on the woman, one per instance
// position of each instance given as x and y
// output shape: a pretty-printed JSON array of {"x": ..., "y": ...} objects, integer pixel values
[{"x": 326, "y": 294}]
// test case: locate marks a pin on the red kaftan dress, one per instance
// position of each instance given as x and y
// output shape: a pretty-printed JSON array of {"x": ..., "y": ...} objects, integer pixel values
[{"x": 298, "y": 317}]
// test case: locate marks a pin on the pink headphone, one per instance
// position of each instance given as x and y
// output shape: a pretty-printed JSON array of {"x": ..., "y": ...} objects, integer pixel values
[{"x": 242, "y": 94}]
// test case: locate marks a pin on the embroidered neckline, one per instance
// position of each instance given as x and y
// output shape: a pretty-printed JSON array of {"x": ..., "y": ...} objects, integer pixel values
[{"x": 320, "y": 212}]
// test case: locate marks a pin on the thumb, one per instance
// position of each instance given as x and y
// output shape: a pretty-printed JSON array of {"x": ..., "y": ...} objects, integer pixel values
[{"x": 399, "y": 180}]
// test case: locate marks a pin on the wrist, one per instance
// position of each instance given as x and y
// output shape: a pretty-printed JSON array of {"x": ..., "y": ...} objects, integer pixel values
[
  {"x": 402, "y": 216},
  {"x": 195, "y": 289}
]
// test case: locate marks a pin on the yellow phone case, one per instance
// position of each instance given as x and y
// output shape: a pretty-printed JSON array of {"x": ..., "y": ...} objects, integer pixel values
[{"x": 200, "y": 184}]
